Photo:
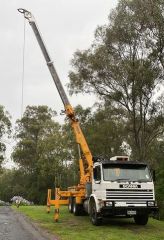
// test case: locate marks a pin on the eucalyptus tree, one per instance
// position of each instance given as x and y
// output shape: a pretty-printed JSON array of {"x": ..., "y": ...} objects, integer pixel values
[
  {"x": 5, "y": 130},
  {"x": 124, "y": 67},
  {"x": 41, "y": 151}
]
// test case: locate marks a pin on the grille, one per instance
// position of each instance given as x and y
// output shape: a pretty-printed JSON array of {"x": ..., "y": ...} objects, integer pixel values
[{"x": 129, "y": 194}]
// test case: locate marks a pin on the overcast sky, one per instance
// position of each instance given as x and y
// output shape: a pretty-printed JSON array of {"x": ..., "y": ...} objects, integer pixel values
[{"x": 66, "y": 26}]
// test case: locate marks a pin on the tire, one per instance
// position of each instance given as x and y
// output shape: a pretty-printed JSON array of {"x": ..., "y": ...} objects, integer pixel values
[
  {"x": 70, "y": 205},
  {"x": 141, "y": 219},
  {"x": 77, "y": 208},
  {"x": 95, "y": 217}
]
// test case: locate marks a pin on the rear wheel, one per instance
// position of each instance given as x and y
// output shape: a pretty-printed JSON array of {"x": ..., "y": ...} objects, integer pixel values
[
  {"x": 95, "y": 217},
  {"x": 141, "y": 219},
  {"x": 77, "y": 208},
  {"x": 70, "y": 205}
]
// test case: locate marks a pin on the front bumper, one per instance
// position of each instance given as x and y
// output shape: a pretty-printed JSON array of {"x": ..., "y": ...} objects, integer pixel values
[{"x": 124, "y": 211}]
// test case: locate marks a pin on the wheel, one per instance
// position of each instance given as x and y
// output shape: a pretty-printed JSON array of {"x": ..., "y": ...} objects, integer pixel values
[
  {"x": 77, "y": 208},
  {"x": 141, "y": 219},
  {"x": 70, "y": 205},
  {"x": 95, "y": 217}
]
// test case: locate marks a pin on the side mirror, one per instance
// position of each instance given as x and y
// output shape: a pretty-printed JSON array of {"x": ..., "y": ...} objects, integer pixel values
[{"x": 153, "y": 175}]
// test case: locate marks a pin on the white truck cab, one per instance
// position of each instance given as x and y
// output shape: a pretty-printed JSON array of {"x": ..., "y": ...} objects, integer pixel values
[{"x": 121, "y": 188}]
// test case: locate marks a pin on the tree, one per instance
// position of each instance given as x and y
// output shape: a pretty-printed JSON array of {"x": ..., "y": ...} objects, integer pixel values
[
  {"x": 5, "y": 129},
  {"x": 124, "y": 67},
  {"x": 41, "y": 152},
  {"x": 29, "y": 130},
  {"x": 12, "y": 183},
  {"x": 156, "y": 154}
]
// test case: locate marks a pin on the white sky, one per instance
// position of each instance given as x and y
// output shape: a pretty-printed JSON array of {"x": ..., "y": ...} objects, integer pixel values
[{"x": 66, "y": 26}]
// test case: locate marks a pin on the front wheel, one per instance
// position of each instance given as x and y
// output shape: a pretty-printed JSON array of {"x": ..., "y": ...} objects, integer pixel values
[
  {"x": 96, "y": 219},
  {"x": 141, "y": 219}
]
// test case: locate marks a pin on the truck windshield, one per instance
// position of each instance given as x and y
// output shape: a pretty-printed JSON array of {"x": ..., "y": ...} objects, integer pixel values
[{"x": 130, "y": 172}]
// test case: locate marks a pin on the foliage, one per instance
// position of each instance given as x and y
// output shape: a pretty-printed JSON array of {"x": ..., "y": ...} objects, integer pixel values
[
  {"x": 11, "y": 182},
  {"x": 35, "y": 122},
  {"x": 159, "y": 153},
  {"x": 124, "y": 66},
  {"x": 5, "y": 129},
  {"x": 41, "y": 152}
]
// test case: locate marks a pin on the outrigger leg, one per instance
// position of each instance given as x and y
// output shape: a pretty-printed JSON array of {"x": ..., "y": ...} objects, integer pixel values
[
  {"x": 48, "y": 200},
  {"x": 57, "y": 199}
]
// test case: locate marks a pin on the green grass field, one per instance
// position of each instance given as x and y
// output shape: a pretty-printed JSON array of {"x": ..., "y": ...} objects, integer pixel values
[{"x": 70, "y": 227}]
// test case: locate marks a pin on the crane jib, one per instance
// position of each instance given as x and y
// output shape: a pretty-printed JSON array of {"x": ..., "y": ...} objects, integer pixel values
[{"x": 50, "y": 64}]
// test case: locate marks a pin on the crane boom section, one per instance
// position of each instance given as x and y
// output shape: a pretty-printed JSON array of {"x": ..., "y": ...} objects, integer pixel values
[
  {"x": 80, "y": 139},
  {"x": 47, "y": 57}
]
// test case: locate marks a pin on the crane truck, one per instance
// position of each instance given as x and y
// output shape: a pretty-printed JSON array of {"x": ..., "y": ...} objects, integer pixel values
[{"x": 107, "y": 187}]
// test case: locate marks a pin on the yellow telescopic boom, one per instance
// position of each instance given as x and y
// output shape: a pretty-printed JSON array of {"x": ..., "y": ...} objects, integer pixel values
[{"x": 85, "y": 172}]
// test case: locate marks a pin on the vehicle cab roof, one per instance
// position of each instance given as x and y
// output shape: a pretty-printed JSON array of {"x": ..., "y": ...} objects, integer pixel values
[{"x": 117, "y": 162}]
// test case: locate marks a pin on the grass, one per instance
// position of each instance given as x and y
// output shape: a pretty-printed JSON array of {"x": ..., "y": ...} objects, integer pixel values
[{"x": 70, "y": 227}]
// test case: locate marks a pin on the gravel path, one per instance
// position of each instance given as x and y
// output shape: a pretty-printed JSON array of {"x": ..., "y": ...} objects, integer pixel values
[{"x": 14, "y": 226}]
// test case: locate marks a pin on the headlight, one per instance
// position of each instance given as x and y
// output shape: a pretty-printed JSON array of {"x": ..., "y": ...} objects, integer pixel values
[
  {"x": 150, "y": 204},
  {"x": 109, "y": 204}
]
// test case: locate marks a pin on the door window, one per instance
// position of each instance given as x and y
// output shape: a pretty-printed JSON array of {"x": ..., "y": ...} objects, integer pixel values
[{"x": 97, "y": 173}]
